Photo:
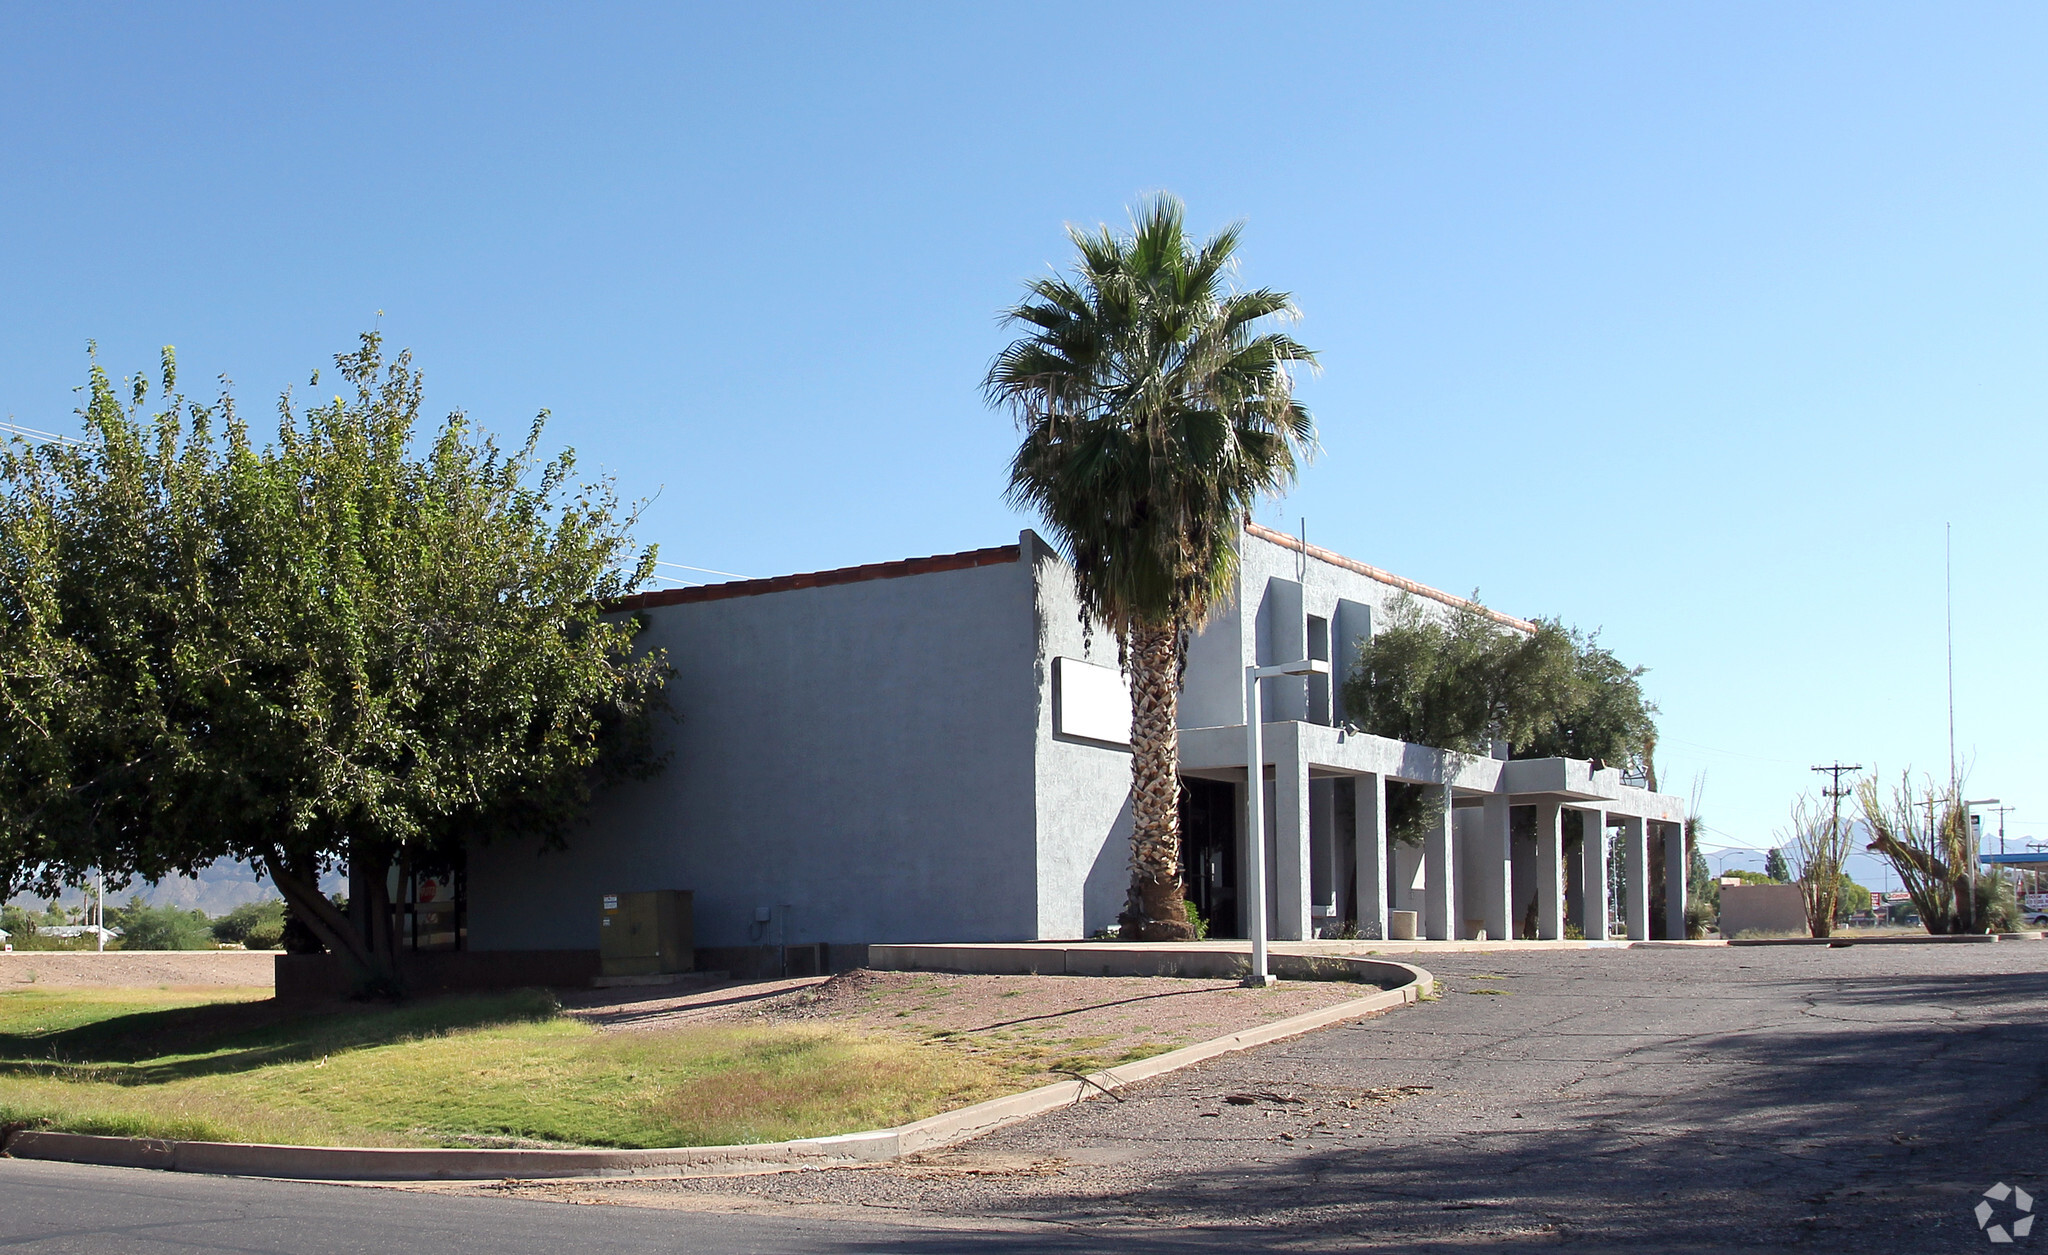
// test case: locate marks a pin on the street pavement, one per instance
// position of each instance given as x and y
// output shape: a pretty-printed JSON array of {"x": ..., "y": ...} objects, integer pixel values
[{"x": 1858, "y": 1098}]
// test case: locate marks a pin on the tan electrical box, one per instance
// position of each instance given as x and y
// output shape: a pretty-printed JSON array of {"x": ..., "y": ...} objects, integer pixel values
[{"x": 646, "y": 934}]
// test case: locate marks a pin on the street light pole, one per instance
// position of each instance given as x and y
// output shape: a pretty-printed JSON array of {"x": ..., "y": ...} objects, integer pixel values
[
  {"x": 1255, "y": 804},
  {"x": 1969, "y": 833}
]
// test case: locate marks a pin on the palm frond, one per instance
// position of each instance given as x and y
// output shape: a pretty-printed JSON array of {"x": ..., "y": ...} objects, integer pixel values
[{"x": 1155, "y": 413}]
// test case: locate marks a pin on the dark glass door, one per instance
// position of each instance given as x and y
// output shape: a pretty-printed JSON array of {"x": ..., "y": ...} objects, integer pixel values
[{"x": 1208, "y": 851}]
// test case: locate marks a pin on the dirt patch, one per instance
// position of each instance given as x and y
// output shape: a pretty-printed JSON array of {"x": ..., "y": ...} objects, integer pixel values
[
  {"x": 1035, "y": 1026},
  {"x": 136, "y": 969}
]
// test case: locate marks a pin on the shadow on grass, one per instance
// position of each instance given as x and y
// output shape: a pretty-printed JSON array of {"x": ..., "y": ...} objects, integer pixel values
[{"x": 154, "y": 1047}]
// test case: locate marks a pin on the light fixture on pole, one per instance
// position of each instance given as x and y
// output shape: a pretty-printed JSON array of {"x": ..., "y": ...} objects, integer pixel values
[
  {"x": 1969, "y": 834},
  {"x": 1255, "y": 804}
]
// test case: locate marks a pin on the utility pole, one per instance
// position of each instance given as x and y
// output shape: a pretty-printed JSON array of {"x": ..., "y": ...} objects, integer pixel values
[
  {"x": 1836, "y": 792},
  {"x": 2002, "y": 812}
]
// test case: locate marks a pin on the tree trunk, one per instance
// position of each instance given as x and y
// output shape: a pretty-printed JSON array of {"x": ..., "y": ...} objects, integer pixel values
[
  {"x": 1156, "y": 909},
  {"x": 370, "y": 952}
]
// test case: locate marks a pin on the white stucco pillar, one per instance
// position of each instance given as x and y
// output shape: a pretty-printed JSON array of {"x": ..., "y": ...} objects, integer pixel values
[
  {"x": 1291, "y": 832},
  {"x": 1323, "y": 873},
  {"x": 1494, "y": 882},
  {"x": 1369, "y": 830},
  {"x": 1593, "y": 876},
  {"x": 1549, "y": 871},
  {"x": 1635, "y": 855},
  {"x": 1439, "y": 868},
  {"x": 1675, "y": 868}
]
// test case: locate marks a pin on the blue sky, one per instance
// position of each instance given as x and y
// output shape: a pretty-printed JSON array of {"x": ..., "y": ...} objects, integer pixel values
[{"x": 1694, "y": 323}]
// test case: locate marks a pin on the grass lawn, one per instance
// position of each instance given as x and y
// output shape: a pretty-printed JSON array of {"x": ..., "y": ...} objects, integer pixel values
[{"x": 496, "y": 1070}]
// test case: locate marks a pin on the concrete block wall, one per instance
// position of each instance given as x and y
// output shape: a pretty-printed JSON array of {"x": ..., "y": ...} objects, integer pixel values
[
  {"x": 1290, "y": 605},
  {"x": 854, "y": 761},
  {"x": 1083, "y": 806}
]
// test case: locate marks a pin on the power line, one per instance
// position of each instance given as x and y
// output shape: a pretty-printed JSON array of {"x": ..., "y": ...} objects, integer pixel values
[
  {"x": 18, "y": 430},
  {"x": 704, "y": 569}
]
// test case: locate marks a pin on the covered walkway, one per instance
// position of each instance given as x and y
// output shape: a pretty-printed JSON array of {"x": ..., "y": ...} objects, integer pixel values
[{"x": 1331, "y": 863}]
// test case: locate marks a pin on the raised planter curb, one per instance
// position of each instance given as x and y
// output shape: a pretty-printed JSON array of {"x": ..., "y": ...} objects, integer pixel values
[{"x": 346, "y": 1163}]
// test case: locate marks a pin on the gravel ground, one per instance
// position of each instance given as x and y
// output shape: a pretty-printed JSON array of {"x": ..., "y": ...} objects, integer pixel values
[
  {"x": 136, "y": 969},
  {"x": 1705, "y": 1099}
]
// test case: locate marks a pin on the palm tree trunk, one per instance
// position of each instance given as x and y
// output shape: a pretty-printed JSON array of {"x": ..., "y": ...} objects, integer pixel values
[{"x": 1156, "y": 909}]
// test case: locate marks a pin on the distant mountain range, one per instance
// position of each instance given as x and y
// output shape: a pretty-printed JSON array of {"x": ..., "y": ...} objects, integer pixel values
[{"x": 216, "y": 890}]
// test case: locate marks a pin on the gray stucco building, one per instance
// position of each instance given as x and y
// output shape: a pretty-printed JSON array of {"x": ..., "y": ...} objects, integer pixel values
[{"x": 933, "y": 750}]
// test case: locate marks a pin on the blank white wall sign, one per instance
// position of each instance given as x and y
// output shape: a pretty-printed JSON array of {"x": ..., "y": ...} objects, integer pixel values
[{"x": 1090, "y": 702}]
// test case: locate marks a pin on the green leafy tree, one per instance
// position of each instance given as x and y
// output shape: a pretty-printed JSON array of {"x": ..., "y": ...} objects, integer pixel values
[
  {"x": 146, "y": 927},
  {"x": 1157, "y": 407},
  {"x": 1851, "y": 899},
  {"x": 325, "y": 650},
  {"x": 1462, "y": 681},
  {"x": 1775, "y": 867},
  {"x": 237, "y": 926}
]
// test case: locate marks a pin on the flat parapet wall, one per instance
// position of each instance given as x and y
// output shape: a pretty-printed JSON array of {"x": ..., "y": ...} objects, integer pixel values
[
  {"x": 1198, "y": 961},
  {"x": 1762, "y": 909}
]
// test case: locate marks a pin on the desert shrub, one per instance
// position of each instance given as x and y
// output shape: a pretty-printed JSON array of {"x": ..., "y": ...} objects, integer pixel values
[
  {"x": 1698, "y": 914},
  {"x": 1997, "y": 904}
]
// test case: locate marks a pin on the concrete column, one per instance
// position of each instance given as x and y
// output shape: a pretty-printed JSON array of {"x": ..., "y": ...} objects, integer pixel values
[
  {"x": 1635, "y": 855},
  {"x": 1593, "y": 876},
  {"x": 1370, "y": 833},
  {"x": 1439, "y": 868},
  {"x": 1494, "y": 878},
  {"x": 1291, "y": 831},
  {"x": 1549, "y": 871},
  {"x": 1675, "y": 869}
]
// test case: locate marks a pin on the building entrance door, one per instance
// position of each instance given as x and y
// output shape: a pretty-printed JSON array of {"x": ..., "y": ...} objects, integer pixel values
[{"x": 1208, "y": 851}]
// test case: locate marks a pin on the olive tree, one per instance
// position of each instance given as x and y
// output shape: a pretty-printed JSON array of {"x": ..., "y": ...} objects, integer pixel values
[{"x": 350, "y": 643}]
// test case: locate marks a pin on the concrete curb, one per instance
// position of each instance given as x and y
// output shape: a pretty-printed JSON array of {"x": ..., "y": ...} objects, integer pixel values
[
  {"x": 345, "y": 1163},
  {"x": 1200, "y": 961},
  {"x": 1966, "y": 939}
]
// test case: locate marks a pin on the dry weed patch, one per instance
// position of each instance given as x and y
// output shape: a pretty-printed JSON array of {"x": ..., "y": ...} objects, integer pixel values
[{"x": 864, "y": 1051}]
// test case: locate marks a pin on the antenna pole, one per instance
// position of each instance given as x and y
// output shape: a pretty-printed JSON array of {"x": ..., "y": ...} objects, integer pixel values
[{"x": 1948, "y": 575}]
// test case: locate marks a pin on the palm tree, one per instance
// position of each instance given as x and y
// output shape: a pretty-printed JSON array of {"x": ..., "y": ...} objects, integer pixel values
[{"x": 1155, "y": 411}]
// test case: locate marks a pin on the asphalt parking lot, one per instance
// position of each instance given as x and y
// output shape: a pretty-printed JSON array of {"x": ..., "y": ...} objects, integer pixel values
[{"x": 1710, "y": 1099}]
